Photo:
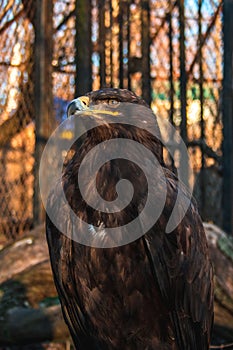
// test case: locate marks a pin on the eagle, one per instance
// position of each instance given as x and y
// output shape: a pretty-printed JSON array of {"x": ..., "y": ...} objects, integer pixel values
[{"x": 154, "y": 292}]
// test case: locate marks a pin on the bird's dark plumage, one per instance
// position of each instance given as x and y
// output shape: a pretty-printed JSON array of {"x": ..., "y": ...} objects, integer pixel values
[{"x": 153, "y": 293}]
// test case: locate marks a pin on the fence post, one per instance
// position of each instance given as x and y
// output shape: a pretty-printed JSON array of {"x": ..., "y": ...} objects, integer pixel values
[
  {"x": 227, "y": 108},
  {"x": 83, "y": 47},
  {"x": 183, "y": 77},
  {"x": 183, "y": 86},
  {"x": 44, "y": 118},
  {"x": 145, "y": 17}
]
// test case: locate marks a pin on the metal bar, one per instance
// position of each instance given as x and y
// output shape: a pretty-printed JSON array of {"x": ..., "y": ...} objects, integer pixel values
[
  {"x": 227, "y": 107},
  {"x": 201, "y": 98},
  {"x": 102, "y": 38},
  {"x": 111, "y": 50},
  {"x": 145, "y": 18},
  {"x": 183, "y": 76},
  {"x": 44, "y": 120},
  {"x": 172, "y": 90},
  {"x": 121, "y": 66},
  {"x": 183, "y": 88},
  {"x": 128, "y": 45},
  {"x": 83, "y": 45},
  {"x": 171, "y": 81}
]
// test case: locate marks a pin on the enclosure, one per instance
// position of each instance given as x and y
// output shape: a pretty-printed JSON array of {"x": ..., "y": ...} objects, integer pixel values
[{"x": 177, "y": 55}]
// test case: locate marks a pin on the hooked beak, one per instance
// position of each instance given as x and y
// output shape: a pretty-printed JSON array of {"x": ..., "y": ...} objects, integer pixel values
[{"x": 78, "y": 104}]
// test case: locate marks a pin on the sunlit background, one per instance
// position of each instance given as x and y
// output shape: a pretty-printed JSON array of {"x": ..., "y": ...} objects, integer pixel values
[{"x": 118, "y": 58}]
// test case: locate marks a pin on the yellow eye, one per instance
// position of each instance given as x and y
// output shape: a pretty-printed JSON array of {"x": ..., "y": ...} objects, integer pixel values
[{"x": 112, "y": 102}]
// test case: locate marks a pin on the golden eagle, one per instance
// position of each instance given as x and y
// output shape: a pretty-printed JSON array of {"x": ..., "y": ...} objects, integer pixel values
[{"x": 153, "y": 293}]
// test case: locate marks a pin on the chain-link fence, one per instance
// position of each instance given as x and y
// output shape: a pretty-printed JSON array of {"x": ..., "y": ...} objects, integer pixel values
[
  {"x": 170, "y": 52},
  {"x": 16, "y": 114}
]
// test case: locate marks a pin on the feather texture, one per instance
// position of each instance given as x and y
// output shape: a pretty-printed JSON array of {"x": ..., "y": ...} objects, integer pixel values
[{"x": 154, "y": 293}]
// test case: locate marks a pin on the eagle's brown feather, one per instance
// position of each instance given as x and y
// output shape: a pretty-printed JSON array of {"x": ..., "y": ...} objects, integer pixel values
[{"x": 154, "y": 293}]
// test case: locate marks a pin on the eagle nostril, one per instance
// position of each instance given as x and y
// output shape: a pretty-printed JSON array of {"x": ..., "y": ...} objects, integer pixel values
[{"x": 84, "y": 101}]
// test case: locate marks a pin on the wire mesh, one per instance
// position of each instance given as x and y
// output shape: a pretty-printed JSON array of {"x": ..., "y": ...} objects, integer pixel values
[
  {"x": 120, "y": 56},
  {"x": 16, "y": 114}
]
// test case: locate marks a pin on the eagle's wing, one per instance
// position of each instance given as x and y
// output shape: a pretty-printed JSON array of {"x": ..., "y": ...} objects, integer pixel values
[
  {"x": 182, "y": 269},
  {"x": 63, "y": 261}
]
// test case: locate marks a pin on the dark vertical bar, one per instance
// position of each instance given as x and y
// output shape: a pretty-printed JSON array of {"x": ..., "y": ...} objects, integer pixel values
[
  {"x": 183, "y": 77},
  {"x": 83, "y": 47},
  {"x": 171, "y": 81},
  {"x": 145, "y": 17},
  {"x": 111, "y": 50},
  {"x": 183, "y": 89},
  {"x": 128, "y": 45},
  {"x": 227, "y": 106},
  {"x": 121, "y": 66},
  {"x": 201, "y": 98},
  {"x": 102, "y": 38},
  {"x": 44, "y": 118},
  {"x": 172, "y": 90}
]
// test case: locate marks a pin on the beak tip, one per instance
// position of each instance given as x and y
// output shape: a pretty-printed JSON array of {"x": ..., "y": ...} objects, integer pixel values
[
  {"x": 78, "y": 104},
  {"x": 71, "y": 108}
]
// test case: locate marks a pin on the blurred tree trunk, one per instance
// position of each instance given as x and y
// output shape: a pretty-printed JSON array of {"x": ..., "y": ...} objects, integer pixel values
[
  {"x": 29, "y": 307},
  {"x": 44, "y": 116}
]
